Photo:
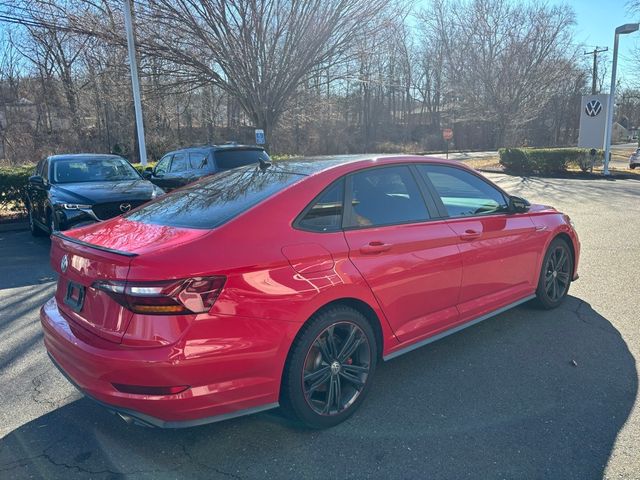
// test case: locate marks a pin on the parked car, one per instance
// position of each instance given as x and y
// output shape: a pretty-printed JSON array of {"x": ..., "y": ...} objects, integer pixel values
[
  {"x": 184, "y": 166},
  {"x": 286, "y": 285},
  {"x": 634, "y": 159},
  {"x": 68, "y": 191}
]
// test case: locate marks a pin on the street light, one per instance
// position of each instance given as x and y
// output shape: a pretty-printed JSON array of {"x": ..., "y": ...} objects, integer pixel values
[
  {"x": 135, "y": 82},
  {"x": 621, "y": 30}
]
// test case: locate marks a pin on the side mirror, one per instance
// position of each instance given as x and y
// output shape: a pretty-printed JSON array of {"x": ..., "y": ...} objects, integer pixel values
[
  {"x": 36, "y": 180},
  {"x": 518, "y": 205}
]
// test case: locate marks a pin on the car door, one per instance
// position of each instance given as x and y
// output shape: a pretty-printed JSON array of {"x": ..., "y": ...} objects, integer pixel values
[
  {"x": 407, "y": 255},
  {"x": 161, "y": 170},
  {"x": 39, "y": 192},
  {"x": 499, "y": 249},
  {"x": 180, "y": 172}
]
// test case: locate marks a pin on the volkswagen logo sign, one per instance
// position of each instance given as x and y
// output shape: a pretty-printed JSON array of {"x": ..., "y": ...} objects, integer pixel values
[
  {"x": 125, "y": 207},
  {"x": 593, "y": 108},
  {"x": 64, "y": 263}
]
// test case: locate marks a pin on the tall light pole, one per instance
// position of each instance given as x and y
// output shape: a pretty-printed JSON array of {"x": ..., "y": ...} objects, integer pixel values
[
  {"x": 621, "y": 30},
  {"x": 135, "y": 82}
]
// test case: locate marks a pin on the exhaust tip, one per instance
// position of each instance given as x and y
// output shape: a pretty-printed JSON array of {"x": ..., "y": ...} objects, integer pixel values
[{"x": 129, "y": 420}]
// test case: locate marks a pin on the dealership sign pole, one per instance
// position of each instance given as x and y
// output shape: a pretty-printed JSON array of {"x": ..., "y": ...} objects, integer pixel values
[{"x": 135, "y": 83}]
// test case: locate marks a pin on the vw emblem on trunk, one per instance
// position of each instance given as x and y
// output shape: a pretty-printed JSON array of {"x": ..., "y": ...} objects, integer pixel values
[
  {"x": 593, "y": 108},
  {"x": 125, "y": 207},
  {"x": 64, "y": 263}
]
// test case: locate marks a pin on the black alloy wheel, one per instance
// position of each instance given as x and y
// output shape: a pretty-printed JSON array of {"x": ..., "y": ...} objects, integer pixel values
[
  {"x": 329, "y": 368},
  {"x": 336, "y": 368},
  {"x": 555, "y": 278}
]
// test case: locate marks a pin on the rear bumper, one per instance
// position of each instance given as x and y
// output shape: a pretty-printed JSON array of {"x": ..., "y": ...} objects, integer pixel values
[{"x": 224, "y": 383}]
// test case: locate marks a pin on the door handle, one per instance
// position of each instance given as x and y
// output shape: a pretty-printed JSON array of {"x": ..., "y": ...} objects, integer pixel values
[
  {"x": 470, "y": 235},
  {"x": 375, "y": 247}
]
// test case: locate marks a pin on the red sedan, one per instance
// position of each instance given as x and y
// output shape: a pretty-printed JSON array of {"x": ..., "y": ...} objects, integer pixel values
[{"x": 285, "y": 284}]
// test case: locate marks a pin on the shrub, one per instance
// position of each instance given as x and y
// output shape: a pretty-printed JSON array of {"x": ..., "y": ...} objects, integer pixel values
[
  {"x": 140, "y": 168},
  {"x": 545, "y": 161},
  {"x": 13, "y": 182}
]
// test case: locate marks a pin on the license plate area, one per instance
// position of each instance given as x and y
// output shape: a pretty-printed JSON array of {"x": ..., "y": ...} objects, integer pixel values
[{"x": 74, "y": 297}]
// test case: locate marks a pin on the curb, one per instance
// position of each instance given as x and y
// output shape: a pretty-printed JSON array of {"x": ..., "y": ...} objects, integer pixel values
[{"x": 14, "y": 226}]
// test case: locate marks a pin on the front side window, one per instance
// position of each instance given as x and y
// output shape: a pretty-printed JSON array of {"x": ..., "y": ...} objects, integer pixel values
[
  {"x": 163, "y": 165},
  {"x": 462, "y": 193},
  {"x": 386, "y": 196},
  {"x": 45, "y": 169},
  {"x": 180, "y": 163},
  {"x": 112, "y": 169},
  {"x": 325, "y": 214}
]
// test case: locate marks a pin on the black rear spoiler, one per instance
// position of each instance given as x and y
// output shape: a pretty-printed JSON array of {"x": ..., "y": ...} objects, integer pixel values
[{"x": 90, "y": 245}]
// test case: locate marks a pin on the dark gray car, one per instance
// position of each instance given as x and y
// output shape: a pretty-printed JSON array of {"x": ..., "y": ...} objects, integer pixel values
[{"x": 180, "y": 167}]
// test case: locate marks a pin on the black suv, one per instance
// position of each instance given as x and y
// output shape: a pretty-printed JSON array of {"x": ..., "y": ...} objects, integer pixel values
[
  {"x": 180, "y": 167},
  {"x": 73, "y": 190}
]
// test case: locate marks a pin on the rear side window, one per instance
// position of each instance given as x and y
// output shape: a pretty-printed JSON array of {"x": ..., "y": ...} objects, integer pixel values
[
  {"x": 386, "y": 196},
  {"x": 211, "y": 202},
  {"x": 198, "y": 160},
  {"x": 462, "y": 193},
  {"x": 325, "y": 213},
  {"x": 228, "y": 159}
]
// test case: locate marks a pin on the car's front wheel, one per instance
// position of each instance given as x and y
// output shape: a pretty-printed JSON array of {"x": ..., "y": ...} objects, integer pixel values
[
  {"x": 36, "y": 231},
  {"x": 556, "y": 274},
  {"x": 329, "y": 369}
]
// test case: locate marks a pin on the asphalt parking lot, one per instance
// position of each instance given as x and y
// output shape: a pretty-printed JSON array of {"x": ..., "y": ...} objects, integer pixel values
[{"x": 526, "y": 394}]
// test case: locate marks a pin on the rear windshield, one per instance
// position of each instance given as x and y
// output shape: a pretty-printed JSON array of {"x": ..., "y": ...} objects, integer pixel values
[
  {"x": 215, "y": 200},
  {"x": 228, "y": 159}
]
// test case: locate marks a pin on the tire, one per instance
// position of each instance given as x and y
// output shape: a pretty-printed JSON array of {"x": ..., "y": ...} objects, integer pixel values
[
  {"x": 555, "y": 275},
  {"x": 633, "y": 167},
  {"x": 338, "y": 374},
  {"x": 36, "y": 231},
  {"x": 51, "y": 222}
]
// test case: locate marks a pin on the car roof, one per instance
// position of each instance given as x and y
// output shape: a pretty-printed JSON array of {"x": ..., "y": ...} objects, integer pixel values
[
  {"x": 82, "y": 156},
  {"x": 346, "y": 163},
  {"x": 216, "y": 148}
]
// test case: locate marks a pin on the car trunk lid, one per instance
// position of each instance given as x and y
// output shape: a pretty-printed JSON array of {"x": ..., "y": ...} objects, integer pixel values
[
  {"x": 79, "y": 266},
  {"x": 104, "y": 252}
]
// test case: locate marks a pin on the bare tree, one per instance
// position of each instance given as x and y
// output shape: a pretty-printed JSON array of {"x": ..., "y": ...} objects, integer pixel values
[{"x": 257, "y": 51}]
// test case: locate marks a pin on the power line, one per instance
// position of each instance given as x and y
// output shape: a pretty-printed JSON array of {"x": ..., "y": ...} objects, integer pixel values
[{"x": 595, "y": 53}]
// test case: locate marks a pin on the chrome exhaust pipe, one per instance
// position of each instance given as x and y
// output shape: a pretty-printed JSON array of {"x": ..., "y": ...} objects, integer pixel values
[{"x": 127, "y": 418}]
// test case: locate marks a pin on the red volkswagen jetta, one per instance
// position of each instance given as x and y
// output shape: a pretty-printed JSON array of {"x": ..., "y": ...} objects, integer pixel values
[{"x": 285, "y": 284}]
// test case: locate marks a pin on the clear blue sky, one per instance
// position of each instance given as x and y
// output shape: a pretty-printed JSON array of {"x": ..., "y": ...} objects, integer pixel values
[{"x": 596, "y": 22}]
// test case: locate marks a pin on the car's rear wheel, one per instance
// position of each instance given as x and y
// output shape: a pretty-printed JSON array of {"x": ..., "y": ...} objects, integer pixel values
[
  {"x": 36, "y": 231},
  {"x": 329, "y": 369},
  {"x": 556, "y": 274}
]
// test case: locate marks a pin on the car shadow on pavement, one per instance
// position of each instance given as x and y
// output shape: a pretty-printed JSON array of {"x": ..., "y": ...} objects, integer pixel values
[{"x": 527, "y": 394}]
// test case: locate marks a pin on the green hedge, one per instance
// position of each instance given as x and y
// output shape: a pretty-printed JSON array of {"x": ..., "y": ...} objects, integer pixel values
[
  {"x": 546, "y": 161},
  {"x": 140, "y": 168},
  {"x": 13, "y": 181}
]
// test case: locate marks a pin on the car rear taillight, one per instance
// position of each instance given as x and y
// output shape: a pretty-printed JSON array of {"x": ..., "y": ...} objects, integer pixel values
[{"x": 170, "y": 297}]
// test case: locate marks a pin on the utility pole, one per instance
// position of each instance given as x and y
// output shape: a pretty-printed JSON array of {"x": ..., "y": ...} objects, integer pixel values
[
  {"x": 135, "y": 82},
  {"x": 595, "y": 53}
]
